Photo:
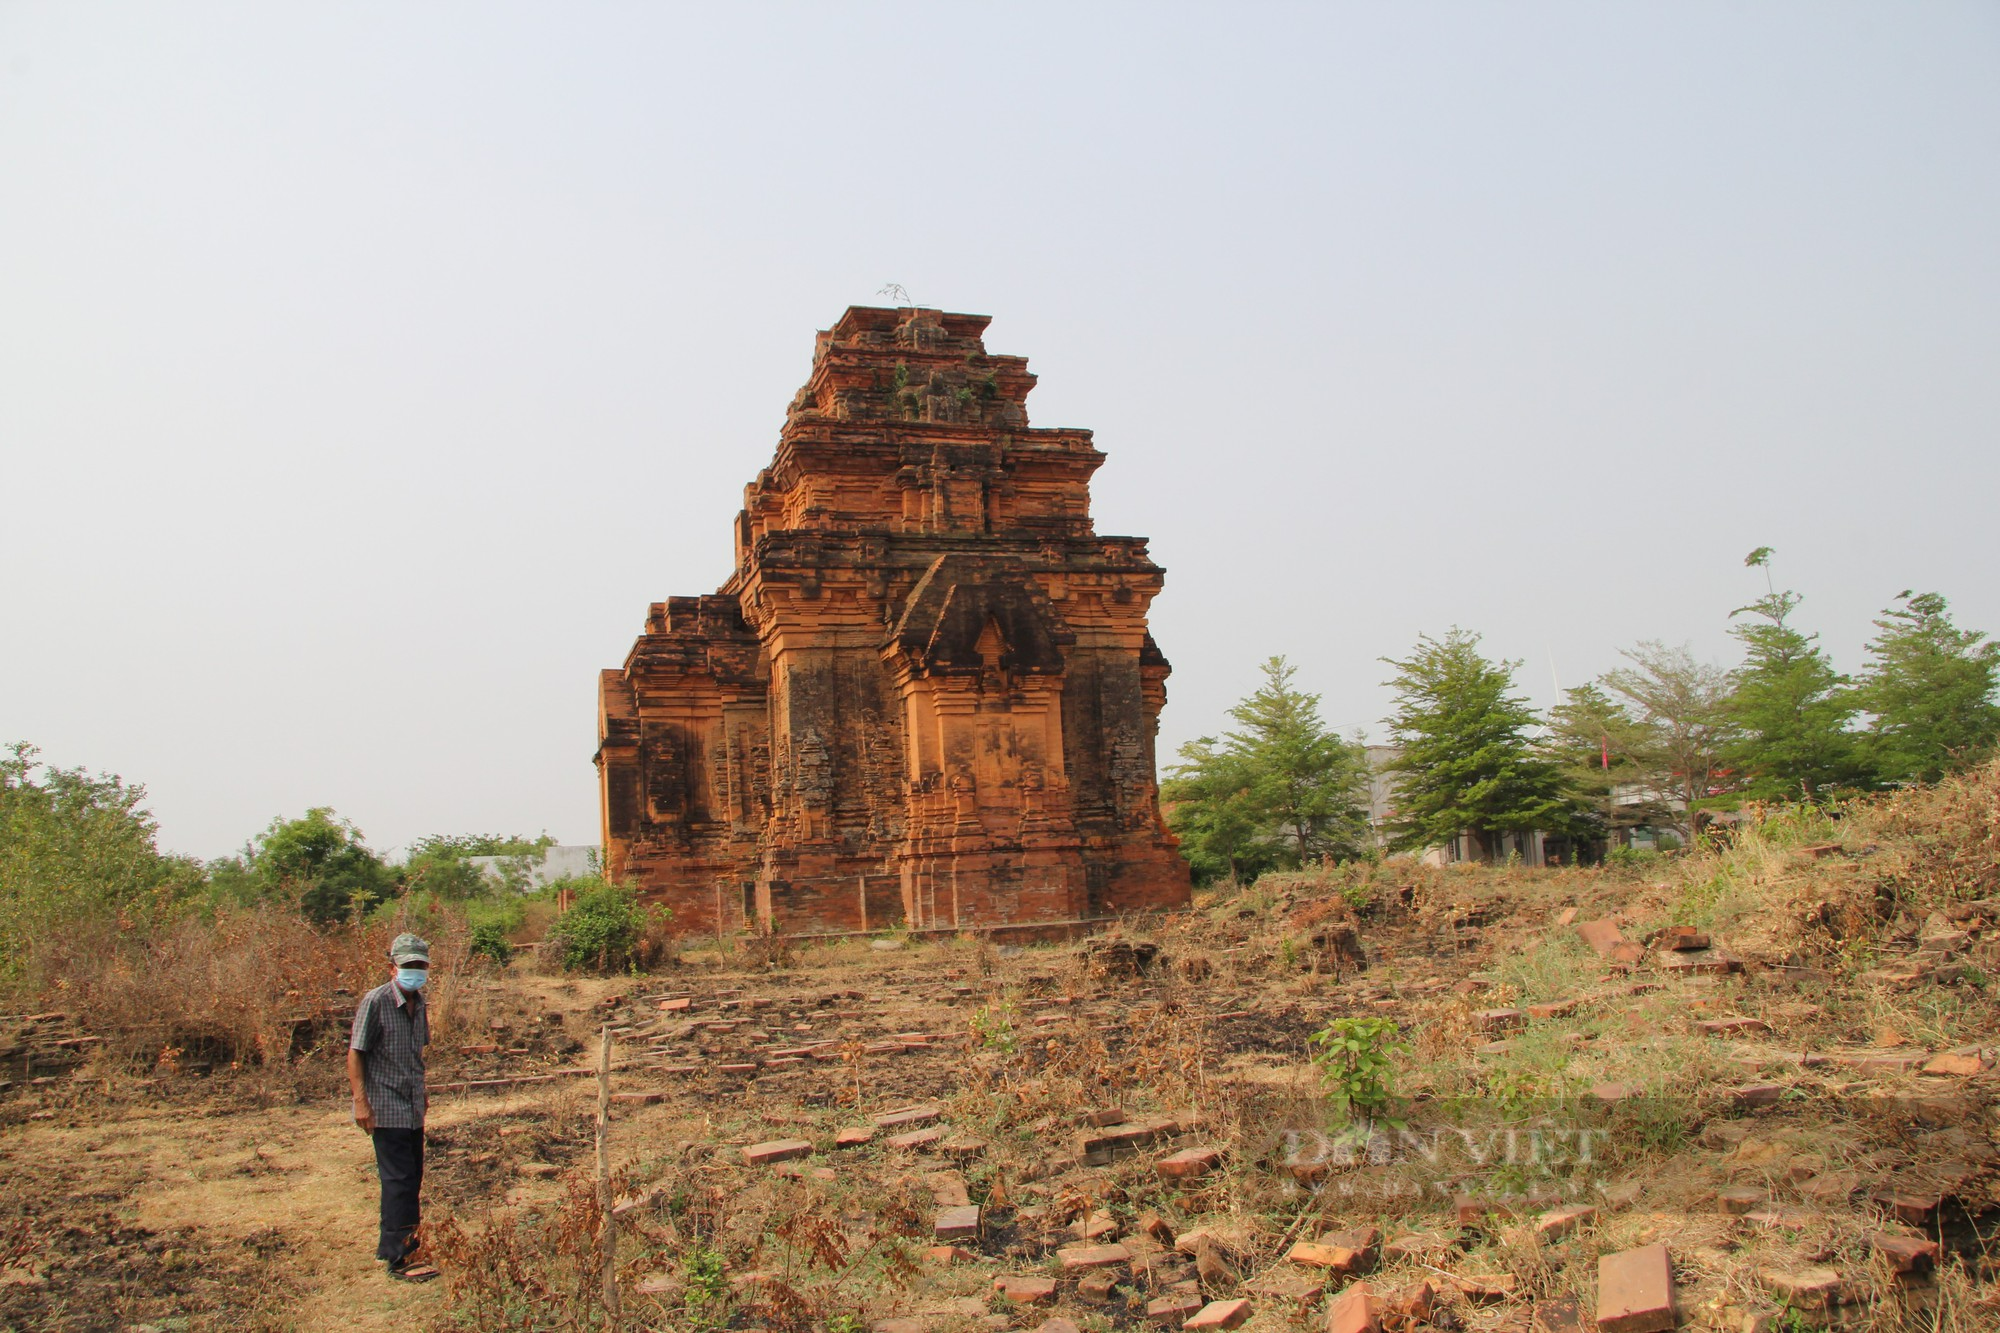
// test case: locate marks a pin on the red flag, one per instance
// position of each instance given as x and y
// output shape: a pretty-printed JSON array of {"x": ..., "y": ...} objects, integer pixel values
[{"x": 1607, "y": 753}]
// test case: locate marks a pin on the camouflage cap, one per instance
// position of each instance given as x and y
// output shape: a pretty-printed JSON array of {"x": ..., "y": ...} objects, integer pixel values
[{"x": 407, "y": 947}]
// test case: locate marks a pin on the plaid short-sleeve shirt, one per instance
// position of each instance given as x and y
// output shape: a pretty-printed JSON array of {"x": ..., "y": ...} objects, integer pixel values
[{"x": 391, "y": 1030}]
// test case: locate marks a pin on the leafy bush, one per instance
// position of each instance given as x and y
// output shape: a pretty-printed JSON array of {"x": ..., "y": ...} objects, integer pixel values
[
  {"x": 1353, "y": 1055},
  {"x": 441, "y": 864},
  {"x": 489, "y": 939},
  {"x": 1631, "y": 858},
  {"x": 76, "y": 848},
  {"x": 317, "y": 862},
  {"x": 603, "y": 929},
  {"x": 993, "y": 1026}
]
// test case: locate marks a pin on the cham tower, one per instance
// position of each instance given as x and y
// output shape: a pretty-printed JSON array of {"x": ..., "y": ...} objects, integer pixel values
[{"x": 925, "y": 696}]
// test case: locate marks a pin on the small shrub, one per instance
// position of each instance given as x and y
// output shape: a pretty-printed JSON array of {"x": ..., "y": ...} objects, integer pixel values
[
  {"x": 704, "y": 1286},
  {"x": 1631, "y": 858},
  {"x": 993, "y": 1026},
  {"x": 1353, "y": 1055},
  {"x": 603, "y": 930},
  {"x": 489, "y": 940}
]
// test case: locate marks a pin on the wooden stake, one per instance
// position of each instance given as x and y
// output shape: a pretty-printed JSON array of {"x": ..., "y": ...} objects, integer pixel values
[{"x": 608, "y": 1246}]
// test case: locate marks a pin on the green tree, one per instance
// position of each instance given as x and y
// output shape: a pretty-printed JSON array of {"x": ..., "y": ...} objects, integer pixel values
[
  {"x": 1467, "y": 763},
  {"x": 1280, "y": 791},
  {"x": 441, "y": 866},
  {"x": 1930, "y": 690},
  {"x": 1595, "y": 741},
  {"x": 1789, "y": 709},
  {"x": 1208, "y": 804},
  {"x": 1681, "y": 708},
  {"x": 317, "y": 861},
  {"x": 75, "y": 847}
]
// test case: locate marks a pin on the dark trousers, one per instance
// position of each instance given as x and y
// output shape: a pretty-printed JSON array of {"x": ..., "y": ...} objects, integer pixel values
[{"x": 399, "y": 1161}]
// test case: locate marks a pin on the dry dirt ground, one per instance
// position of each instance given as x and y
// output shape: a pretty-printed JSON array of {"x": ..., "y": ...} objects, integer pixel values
[{"x": 1795, "y": 1112}]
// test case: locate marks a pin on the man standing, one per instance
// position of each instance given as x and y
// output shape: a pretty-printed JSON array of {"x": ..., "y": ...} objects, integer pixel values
[{"x": 385, "y": 1067}]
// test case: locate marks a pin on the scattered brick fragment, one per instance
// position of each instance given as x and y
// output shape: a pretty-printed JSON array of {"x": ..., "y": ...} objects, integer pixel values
[
  {"x": 1026, "y": 1290},
  {"x": 1602, "y": 936},
  {"x": 1498, "y": 1020},
  {"x": 1096, "y": 1287},
  {"x": 1187, "y": 1163},
  {"x": 915, "y": 1139},
  {"x": 1732, "y": 1027},
  {"x": 1173, "y": 1309},
  {"x": 853, "y": 1136},
  {"x": 1907, "y": 1255},
  {"x": 1635, "y": 1291},
  {"x": 949, "y": 1254},
  {"x": 1304, "y": 1288},
  {"x": 1699, "y": 962},
  {"x": 777, "y": 1150},
  {"x": 1219, "y": 1314},
  {"x": 1750, "y": 1096},
  {"x": 909, "y": 1115},
  {"x": 1486, "y": 1288},
  {"x": 1806, "y": 1288},
  {"x": 637, "y": 1203},
  {"x": 1076, "y": 1257},
  {"x": 1469, "y": 1210},
  {"x": 1683, "y": 938},
  {"x": 1832, "y": 1187},
  {"x": 1356, "y": 1310},
  {"x": 1103, "y": 1146},
  {"x": 1739, "y": 1200},
  {"x": 1096, "y": 1226},
  {"x": 1564, "y": 1315},
  {"x": 1961, "y": 1063},
  {"x": 958, "y": 1223},
  {"x": 1411, "y": 1304},
  {"x": 1908, "y": 1205},
  {"x": 1559, "y": 1222}
]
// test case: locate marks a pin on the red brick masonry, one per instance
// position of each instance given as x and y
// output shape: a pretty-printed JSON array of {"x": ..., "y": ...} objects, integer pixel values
[{"x": 926, "y": 695}]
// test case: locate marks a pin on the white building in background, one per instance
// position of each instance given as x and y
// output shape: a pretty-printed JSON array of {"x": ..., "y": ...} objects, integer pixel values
[{"x": 556, "y": 862}]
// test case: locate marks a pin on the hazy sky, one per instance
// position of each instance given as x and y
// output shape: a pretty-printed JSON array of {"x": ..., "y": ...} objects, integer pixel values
[{"x": 365, "y": 370}]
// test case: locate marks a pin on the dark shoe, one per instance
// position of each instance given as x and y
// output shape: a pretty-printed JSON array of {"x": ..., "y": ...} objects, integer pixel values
[{"x": 412, "y": 1272}]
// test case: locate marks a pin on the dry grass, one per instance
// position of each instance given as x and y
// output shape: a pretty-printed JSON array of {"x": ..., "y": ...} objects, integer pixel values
[{"x": 243, "y": 989}]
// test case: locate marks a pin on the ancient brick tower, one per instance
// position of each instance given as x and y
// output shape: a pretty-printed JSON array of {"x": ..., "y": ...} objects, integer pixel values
[{"x": 926, "y": 695}]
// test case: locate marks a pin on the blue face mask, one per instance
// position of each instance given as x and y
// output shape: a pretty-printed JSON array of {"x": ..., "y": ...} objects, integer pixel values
[{"x": 412, "y": 978}]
